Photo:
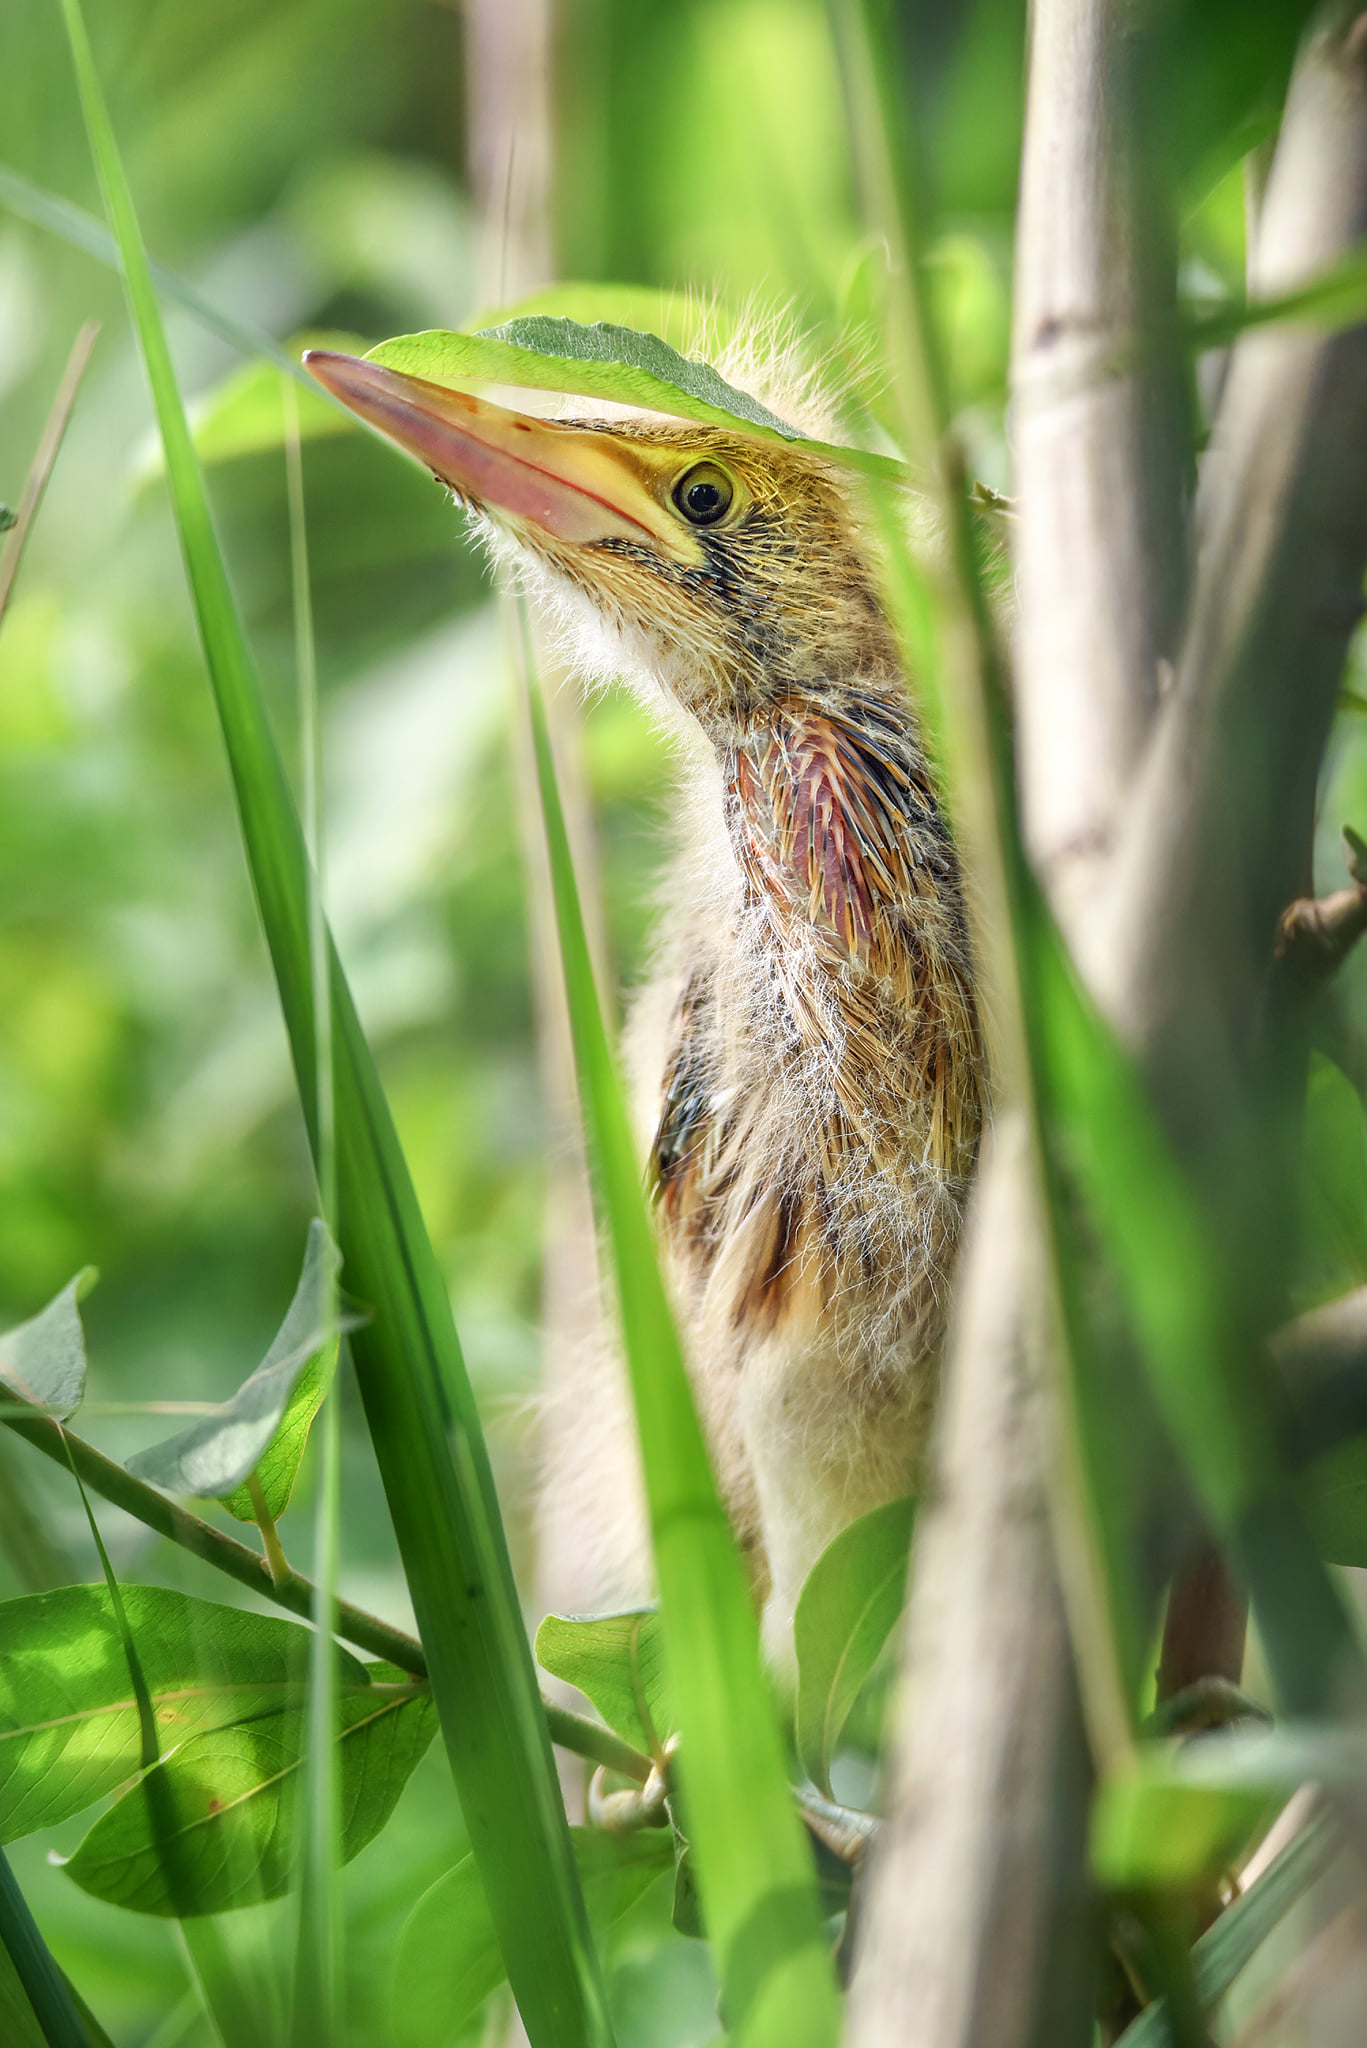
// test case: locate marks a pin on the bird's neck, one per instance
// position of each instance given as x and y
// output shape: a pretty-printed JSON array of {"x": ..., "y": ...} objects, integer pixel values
[{"x": 833, "y": 816}]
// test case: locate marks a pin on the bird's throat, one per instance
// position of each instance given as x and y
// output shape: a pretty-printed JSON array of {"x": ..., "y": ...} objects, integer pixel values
[{"x": 836, "y": 825}]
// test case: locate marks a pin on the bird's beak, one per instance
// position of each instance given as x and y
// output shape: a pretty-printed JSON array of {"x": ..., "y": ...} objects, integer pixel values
[{"x": 571, "y": 483}]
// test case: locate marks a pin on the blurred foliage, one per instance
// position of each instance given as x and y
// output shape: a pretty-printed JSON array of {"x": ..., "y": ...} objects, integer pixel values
[{"x": 301, "y": 162}]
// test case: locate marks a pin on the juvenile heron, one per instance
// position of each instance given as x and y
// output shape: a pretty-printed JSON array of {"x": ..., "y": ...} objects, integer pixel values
[{"x": 807, "y": 1056}]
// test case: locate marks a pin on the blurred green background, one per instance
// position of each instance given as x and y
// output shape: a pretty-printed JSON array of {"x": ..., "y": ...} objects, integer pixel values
[{"x": 304, "y": 163}]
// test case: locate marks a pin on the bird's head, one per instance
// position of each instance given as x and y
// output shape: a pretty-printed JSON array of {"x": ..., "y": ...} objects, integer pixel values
[{"x": 727, "y": 568}]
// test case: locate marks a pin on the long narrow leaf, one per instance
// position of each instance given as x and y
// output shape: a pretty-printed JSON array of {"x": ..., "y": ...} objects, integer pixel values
[
  {"x": 72, "y": 224},
  {"x": 43, "y": 1984},
  {"x": 416, "y": 1394},
  {"x": 757, "y": 1879}
]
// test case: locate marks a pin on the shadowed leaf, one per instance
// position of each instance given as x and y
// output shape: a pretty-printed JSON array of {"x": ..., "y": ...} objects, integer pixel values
[
  {"x": 845, "y": 1614},
  {"x": 44, "y": 1358},
  {"x": 266, "y": 1423}
]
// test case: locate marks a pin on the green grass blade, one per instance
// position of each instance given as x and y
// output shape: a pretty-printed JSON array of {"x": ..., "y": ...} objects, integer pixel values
[
  {"x": 45, "y": 1987},
  {"x": 317, "y": 2002},
  {"x": 418, "y": 1403},
  {"x": 756, "y": 1871},
  {"x": 72, "y": 224}
]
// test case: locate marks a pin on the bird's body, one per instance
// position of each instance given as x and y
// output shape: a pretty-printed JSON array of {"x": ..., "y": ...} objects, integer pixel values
[{"x": 806, "y": 1056}]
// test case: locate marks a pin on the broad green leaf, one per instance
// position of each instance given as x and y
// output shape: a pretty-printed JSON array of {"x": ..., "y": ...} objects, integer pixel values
[
  {"x": 675, "y": 317},
  {"x": 618, "y": 1661},
  {"x": 1335, "y": 1488},
  {"x": 1225, "y": 1948},
  {"x": 448, "y": 1957},
  {"x": 69, "y": 1731},
  {"x": 266, "y": 1423},
  {"x": 44, "y": 1358},
  {"x": 1157, "y": 1834},
  {"x": 623, "y": 350},
  {"x": 755, "y": 1870},
  {"x": 845, "y": 1614},
  {"x": 612, "y": 363},
  {"x": 245, "y": 413},
  {"x": 233, "y": 1797},
  {"x": 419, "y": 1406}
]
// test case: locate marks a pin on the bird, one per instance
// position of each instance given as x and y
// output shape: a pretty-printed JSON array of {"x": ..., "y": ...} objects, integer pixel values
[{"x": 807, "y": 1056}]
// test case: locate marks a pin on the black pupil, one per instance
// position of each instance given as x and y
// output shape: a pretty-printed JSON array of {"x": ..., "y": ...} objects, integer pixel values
[{"x": 704, "y": 497}]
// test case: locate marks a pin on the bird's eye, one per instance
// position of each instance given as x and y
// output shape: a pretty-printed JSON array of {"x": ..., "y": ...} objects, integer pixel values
[{"x": 704, "y": 494}]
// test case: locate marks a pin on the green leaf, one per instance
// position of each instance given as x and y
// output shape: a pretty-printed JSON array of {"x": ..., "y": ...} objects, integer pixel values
[
  {"x": 1225, "y": 1948},
  {"x": 266, "y": 1423},
  {"x": 71, "y": 224},
  {"x": 672, "y": 315},
  {"x": 1158, "y": 1834},
  {"x": 1335, "y": 1488},
  {"x": 611, "y": 363},
  {"x": 19, "y": 2026},
  {"x": 44, "y": 1358},
  {"x": 448, "y": 1958},
  {"x": 230, "y": 1802},
  {"x": 38, "y": 2008},
  {"x": 1336, "y": 1178},
  {"x": 419, "y": 1406},
  {"x": 755, "y": 1870},
  {"x": 69, "y": 1731},
  {"x": 8, "y": 517},
  {"x": 618, "y": 1661},
  {"x": 1182, "y": 1309},
  {"x": 845, "y": 1614}
]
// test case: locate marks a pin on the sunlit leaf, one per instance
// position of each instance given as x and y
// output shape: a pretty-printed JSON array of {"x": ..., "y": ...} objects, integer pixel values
[
  {"x": 845, "y": 1614},
  {"x": 615, "y": 364},
  {"x": 267, "y": 1421},
  {"x": 448, "y": 1957},
  {"x": 674, "y": 316},
  {"x": 69, "y": 1730},
  {"x": 618, "y": 1661},
  {"x": 231, "y": 1799},
  {"x": 44, "y": 1358}
]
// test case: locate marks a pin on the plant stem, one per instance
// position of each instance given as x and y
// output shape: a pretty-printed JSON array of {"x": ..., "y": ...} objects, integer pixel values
[
  {"x": 278, "y": 1565},
  {"x": 570, "y": 1731},
  {"x": 48, "y": 449}
]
